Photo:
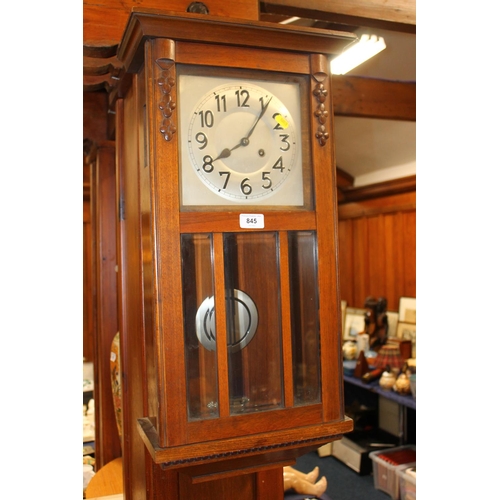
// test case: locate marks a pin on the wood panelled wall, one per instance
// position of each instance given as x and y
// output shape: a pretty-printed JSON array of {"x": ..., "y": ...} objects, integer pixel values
[{"x": 377, "y": 245}]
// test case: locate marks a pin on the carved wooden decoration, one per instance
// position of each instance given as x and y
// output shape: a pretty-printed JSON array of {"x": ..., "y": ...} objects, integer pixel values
[{"x": 165, "y": 82}]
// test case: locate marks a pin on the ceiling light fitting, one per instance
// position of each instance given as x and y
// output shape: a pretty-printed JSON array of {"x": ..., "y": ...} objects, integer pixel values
[{"x": 355, "y": 54}]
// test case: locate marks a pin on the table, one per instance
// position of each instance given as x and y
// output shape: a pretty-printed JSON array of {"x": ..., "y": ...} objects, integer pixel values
[{"x": 107, "y": 481}]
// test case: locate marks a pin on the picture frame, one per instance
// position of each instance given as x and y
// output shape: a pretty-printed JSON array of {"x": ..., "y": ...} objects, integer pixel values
[
  {"x": 408, "y": 310},
  {"x": 354, "y": 322},
  {"x": 408, "y": 331},
  {"x": 392, "y": 322}
]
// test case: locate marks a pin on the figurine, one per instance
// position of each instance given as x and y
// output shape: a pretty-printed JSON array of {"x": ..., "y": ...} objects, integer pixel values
[
  {"x": 304, "y": 484},
  {"x": 349, "y": 350},
  {"x": 376, "y": 322},
  {"x": 387, "y": 379},
  {"x": 361, "y": 366},
  {"x": 402, "y": 384}
]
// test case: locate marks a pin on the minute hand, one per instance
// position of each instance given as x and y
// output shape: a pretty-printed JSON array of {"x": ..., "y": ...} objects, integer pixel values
[{"x": 258, "y": 119}]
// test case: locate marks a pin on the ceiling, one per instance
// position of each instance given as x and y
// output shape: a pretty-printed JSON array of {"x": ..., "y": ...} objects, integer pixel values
[{"x": 375, "y": 150}]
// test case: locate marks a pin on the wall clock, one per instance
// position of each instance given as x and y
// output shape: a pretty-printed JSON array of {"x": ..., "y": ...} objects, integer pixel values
[{"x": 228, "y": 260}]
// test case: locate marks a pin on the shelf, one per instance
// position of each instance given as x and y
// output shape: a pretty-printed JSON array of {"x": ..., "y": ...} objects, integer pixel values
[{"x": 374, "y": 387}]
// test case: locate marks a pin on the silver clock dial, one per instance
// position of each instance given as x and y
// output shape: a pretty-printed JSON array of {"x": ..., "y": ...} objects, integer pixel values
[{"x": 241, "y": 141}]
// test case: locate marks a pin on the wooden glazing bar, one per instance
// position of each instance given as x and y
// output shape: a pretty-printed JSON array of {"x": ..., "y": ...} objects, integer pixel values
[
  {"x": 285, "y": 318},
  {"x": 220, "y": 325}
]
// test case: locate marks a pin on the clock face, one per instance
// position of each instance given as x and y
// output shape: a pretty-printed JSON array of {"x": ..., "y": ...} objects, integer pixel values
[{"x": 240, "y": 141}]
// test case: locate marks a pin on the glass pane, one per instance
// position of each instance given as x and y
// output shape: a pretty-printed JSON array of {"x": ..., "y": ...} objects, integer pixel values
[
  {"x": 304, "y": 317},
  {"x": 253, "y": 322},
  {"x": 199, "y": 326}
]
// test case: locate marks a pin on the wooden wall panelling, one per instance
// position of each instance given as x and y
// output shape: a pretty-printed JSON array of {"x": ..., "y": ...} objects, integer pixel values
[
  {"x": 410, "y": 253},
  {"x": 360, "y": 259},
  {"x": 94, "y": 132},
  {"x": 107, "y": 441},
  {"x": 346, "y": 261},
  {"x": 377, "y": 249},
  {"x": 393, "y": 258},
  {"x": 95, "y": 107}
]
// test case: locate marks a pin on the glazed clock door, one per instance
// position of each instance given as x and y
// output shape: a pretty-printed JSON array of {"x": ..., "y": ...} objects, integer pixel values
[{"x": 256, "y": 319}]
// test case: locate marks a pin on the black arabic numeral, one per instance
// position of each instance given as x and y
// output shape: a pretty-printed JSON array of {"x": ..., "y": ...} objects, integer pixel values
[
  {"x": 227, "y": 174},
  {"x": 207, "y": 164},
  {"x": 246, "y": 189},
  {"x": 221, "y": 102},
  {"x": 242, "y": 96},
  {"x": 266, "y": 178},
  {"x": 279, "y": 165},
  {"x": 201, "y": 138},
  {"x": 284, "y": 138},
  {"x": 277, "y": 126},
  {"x": 207, "y": 118}
]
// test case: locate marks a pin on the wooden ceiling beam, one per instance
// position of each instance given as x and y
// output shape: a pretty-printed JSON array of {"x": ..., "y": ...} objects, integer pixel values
[
  {"x": 395, "y": 15},
  {"x": 104, "y": 21},
  {"x": 374, "y": 98}
]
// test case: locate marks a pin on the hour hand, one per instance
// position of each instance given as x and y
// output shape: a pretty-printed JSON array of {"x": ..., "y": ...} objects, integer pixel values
[{"x": 226, "y": 152}]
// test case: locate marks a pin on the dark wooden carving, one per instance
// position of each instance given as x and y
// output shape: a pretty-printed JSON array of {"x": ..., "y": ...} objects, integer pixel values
[{"x": 165, "y": 82}]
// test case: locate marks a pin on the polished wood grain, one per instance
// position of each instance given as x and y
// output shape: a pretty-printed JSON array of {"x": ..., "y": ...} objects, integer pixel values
[
  {"x": 130, "y": 313},
  {"x": 88, "y": 300},
  {"x": 148, "y": 23},
  {"x": 107, "y": 441}
]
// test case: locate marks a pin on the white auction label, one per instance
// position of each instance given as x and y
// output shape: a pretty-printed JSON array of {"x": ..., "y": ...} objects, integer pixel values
[{"x": 249, "y": 221}]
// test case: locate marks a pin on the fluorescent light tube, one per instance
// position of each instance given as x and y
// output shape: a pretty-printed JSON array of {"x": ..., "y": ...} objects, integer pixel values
[{"x": 358, "y": 52}]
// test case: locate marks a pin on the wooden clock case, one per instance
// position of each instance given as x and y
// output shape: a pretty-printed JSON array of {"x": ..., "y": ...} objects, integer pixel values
[{"x": 166, "y": 454}]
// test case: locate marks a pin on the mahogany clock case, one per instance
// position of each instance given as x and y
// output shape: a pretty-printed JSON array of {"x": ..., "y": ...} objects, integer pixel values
[{"x": 282, "y": 390}]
